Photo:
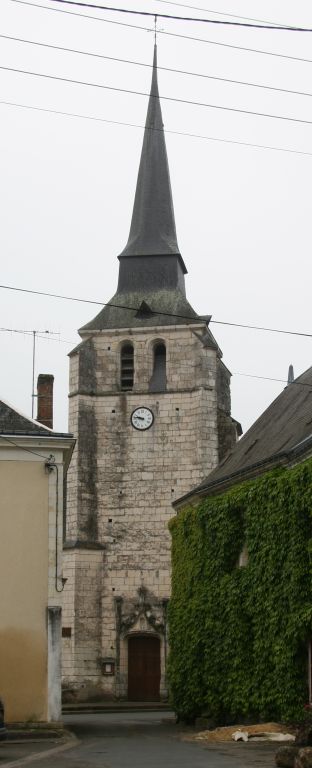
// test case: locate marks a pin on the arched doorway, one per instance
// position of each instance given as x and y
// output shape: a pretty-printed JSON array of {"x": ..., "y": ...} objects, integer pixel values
[{"x": 143, "y": 668}]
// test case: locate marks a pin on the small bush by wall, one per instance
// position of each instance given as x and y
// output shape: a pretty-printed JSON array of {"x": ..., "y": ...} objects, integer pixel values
[{"x": 239, "y": 635}]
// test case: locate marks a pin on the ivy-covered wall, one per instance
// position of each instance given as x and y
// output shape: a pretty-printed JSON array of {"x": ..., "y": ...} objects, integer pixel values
[{"x": 238, "y": 635}]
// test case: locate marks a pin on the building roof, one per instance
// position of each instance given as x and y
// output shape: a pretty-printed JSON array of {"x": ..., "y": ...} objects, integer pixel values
[
  {"x": 12, "y": 422},
  {"x": 153, "y": 229},
  {"x": 283, "y": 430},
  {"x": 151, "y": 270},
  {"x": 172, "y": 305}
]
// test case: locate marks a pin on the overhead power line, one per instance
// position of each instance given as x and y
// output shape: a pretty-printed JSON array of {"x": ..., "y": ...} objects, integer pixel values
[
  {"x": 153, "y": 312},
  {"x": 173, "y": 17},
  {"x": 236, "y": 373},
  {"x": 219, "y": 107},
  {"x": 168, "y": 34},
  {"x": 271, "y": 378},
  {"x": 219, "y": 13},
  {"x": 261, "y": 328},
  {"x": 235, "y": 142},
  {"x": 150, "y": 66}
]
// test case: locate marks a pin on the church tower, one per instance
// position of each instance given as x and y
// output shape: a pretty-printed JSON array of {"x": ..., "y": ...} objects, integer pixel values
[{"x": 150, "y": 408}]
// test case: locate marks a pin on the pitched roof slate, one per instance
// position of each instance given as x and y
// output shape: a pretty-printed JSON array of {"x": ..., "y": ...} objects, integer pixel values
[
  {"x": 14, "y": 423},
  {"x": 284, "y": 426},
  {"x": 153, "y": 229}
]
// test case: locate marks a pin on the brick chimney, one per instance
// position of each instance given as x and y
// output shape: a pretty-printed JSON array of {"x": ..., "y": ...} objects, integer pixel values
[{"x": 45, "y": 399}]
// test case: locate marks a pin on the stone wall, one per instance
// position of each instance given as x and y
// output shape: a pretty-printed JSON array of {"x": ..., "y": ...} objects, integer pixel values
[
  {"x": 228, "y": 429},
  {"x": 120, "y": 488}
]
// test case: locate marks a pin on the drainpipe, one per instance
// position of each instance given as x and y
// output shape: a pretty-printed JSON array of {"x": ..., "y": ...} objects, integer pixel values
[{"x": 50, "y": 466}]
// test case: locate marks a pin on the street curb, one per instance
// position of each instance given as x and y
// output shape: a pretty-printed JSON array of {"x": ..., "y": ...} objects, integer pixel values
[
  {"x": 72, "y": 742},
  {"x": 92, "y": 709}
]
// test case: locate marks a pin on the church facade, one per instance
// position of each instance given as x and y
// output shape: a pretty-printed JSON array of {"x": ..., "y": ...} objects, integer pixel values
[{"x": 150, "y": 408}]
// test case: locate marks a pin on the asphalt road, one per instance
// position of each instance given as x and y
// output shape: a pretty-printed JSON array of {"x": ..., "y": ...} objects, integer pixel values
[{"x": 148, "y": 740}]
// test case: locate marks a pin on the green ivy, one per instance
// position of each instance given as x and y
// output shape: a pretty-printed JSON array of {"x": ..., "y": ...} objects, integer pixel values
[{"x": 238, "y": 636}]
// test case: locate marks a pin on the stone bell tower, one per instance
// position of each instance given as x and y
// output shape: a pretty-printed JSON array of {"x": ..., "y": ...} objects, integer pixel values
[{"x": 150, "y": 408}]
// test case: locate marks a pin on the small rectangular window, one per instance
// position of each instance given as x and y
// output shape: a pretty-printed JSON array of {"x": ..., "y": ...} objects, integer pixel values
[{"x": 66, "y": 631}]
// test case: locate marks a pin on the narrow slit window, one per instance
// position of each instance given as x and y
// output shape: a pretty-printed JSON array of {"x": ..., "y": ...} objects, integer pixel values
[
  {"x": 127, "y": 367},
  {"x": 158, "y": 380}
]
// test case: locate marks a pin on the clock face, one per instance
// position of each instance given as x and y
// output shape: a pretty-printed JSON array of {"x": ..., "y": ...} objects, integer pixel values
[{"x": 142, "y": 418}]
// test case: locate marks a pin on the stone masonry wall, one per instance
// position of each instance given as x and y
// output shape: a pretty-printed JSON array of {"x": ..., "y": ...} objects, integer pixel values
[
  {"x": 121, "y": 485},
  {"x": 82, "y": 617},
  {"x": 227, "y": 429}
]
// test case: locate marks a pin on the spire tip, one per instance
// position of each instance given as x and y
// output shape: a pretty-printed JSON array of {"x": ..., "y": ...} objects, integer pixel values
[{"x": 291, "y": 376}]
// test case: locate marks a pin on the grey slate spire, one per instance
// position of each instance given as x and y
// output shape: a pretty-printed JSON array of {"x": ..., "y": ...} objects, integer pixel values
[
  {"x": 153, "y": 230},
  {"x": 151, "y": 285}
]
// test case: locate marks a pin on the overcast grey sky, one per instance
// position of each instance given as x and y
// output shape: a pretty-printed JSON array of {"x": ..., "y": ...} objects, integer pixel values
[{"x": 243, "y": 214}]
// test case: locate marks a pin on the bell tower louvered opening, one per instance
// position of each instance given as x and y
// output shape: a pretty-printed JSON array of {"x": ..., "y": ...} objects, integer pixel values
[{"x": 127, "y": 367}]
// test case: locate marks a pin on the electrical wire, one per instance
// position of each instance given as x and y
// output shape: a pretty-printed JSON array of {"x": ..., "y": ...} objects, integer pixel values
[
  {"x": 168, "y": 34},
  {"x": 38, "y": 335},
  {"x": 172, "y": 17},
  {"x": 236, "y": 373},
  {"x": 259, "y": 328},
  {"x": 221, "y": 107},
  {"x": 25, "y": 332},
  {"x": 150, "y": 66},
  {"x": 176, "y": 133},
  {"x": 270, "y": 378},
  {"x": 22, "y": 447},
  {"x": 219, "y": 13},
  {"x": 83, "y": 15},
  {"x": 153, "y": 312}
]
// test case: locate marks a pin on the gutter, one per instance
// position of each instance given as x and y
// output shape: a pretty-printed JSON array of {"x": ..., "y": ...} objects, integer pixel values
[
  {"x": 15, "y": 439},
  {"x": 37, "y": 435}
]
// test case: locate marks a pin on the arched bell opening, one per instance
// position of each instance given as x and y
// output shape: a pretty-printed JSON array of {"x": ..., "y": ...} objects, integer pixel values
[
  {"x": 126, "y": 367},
  {"x": 158, "y": 381}
]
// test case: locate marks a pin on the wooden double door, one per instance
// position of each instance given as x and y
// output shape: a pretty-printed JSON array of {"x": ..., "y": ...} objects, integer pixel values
[{"x": 143, "y": 668}]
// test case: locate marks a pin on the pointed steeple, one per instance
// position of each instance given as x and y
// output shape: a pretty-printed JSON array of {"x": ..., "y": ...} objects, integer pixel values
[
  {"x": 151, "y": 284},
  {"x": 153, "y": 230}
]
